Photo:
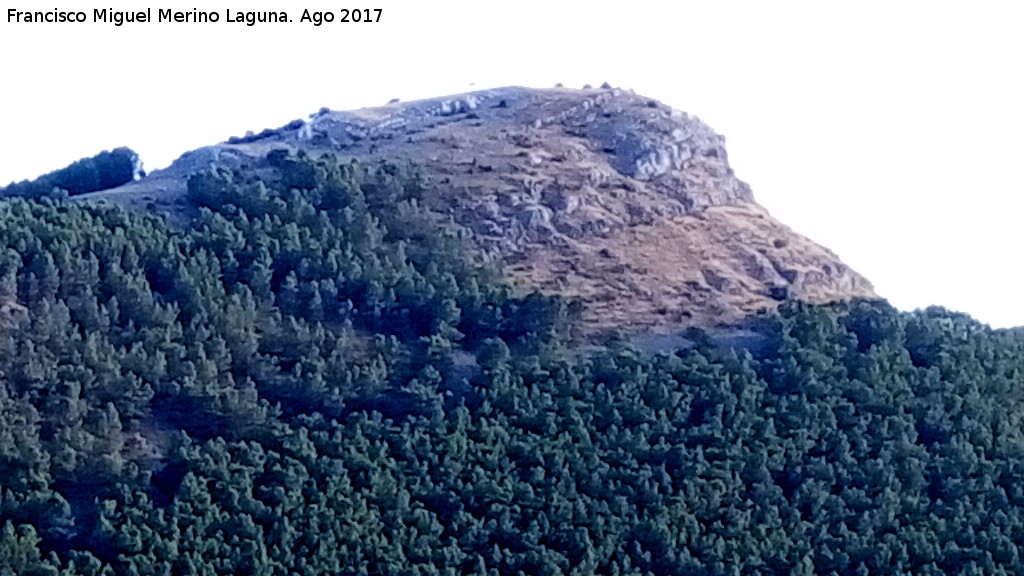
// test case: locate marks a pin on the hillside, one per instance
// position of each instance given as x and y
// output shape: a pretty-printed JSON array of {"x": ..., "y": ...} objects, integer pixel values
[
  {"x": 282, "y": 388},
  {"x": 307, "y": 369},
  {"x": 598, "y": 195}
]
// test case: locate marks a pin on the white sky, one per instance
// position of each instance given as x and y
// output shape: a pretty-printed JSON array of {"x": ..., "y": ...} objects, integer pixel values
[{"x": 890, "y": 132}]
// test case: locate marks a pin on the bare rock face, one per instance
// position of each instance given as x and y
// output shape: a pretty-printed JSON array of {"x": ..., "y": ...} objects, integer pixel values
[
  {"x": 598, "y": 194},
  {"x": 580, "y": 162}
]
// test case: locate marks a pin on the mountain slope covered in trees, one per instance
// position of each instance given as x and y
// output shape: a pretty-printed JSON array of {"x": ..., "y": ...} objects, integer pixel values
[{"x": 316, "y": 377}]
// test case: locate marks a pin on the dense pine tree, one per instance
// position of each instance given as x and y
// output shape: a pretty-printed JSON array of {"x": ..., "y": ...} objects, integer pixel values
[{"x": 315, "y": 377}]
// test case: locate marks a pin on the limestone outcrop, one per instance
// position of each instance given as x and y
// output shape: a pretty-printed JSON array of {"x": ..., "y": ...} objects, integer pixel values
[{"x": 598, "y": 194}]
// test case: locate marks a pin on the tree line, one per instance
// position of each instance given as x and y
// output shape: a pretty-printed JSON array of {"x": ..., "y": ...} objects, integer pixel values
[{"x": 108, "y": 169}]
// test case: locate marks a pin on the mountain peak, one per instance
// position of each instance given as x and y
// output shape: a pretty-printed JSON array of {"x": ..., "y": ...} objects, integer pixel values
[{"x": 597, "y": 194}]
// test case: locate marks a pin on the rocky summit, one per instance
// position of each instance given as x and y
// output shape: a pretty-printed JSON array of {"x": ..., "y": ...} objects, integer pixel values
[{"x": 600, "y": 194}]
